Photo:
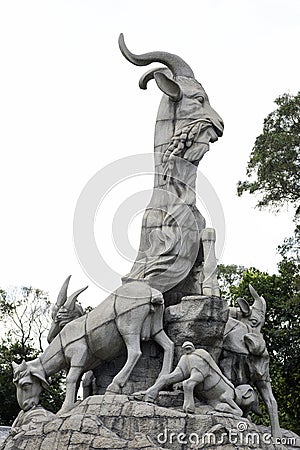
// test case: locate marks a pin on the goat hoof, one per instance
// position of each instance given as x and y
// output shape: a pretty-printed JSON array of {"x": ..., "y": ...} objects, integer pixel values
[
  {"x": 139, "y": 396},
  {"x": 189, "y": 409},
  {"x": 114, "y": 388},
  {"x": 149, "y": 399}
]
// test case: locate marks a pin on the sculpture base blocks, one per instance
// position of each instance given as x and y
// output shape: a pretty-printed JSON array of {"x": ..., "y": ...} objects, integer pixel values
[
  {"x": 199, "y": 319},
  {"x": 116, "y": 422}
]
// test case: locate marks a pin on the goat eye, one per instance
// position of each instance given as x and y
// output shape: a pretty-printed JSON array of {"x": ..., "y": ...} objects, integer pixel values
[{"x": 200, "y": 98}]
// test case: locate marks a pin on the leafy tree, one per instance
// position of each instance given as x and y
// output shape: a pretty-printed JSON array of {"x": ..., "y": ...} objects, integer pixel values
[
  {"x": 290, "y": 249},
  {"x": 229, "y": 276},
  {"x": 281, "y": 331},
  {"x": 273, "y": 167},
  {"x": 273, "y": 172},
  {"x": 25, "y": 317},
  {"x": 10, "y": 352},
  {"x": 25, "y": 314}
]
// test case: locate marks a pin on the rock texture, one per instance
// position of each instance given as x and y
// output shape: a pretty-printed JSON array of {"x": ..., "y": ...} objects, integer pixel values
[
  {"x": 4, "y": 431},
  {"x": 198, "y": 319},
  {"x": 116, "y": 422}
]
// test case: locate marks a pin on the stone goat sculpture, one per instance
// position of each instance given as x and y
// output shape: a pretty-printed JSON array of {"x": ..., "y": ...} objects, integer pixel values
[
  {"x": 244, "y": 357},
  {"x": 30, "y": 386},
  {"x": 173, "y": 238},
  {"x": 201, "y": 375},
  {"x": 65, "y": 309},
  {"x": 133, "y": 312}
]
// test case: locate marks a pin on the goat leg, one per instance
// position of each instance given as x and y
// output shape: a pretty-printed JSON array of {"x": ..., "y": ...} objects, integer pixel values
[{"x": 265, "y": 390}]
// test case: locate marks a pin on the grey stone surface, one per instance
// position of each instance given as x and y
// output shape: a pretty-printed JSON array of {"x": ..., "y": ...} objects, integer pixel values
[
  {"x": 134, "y": 312},
  {"x": 115, "y": 422},
  {"x": 202, "y": 377},
  {"x": 177, "y": 258},
  {"x": 290, "y": 440},
  {"x": 199, "y": 319},
  {"x": 28, "y": 419},
  {"x": 4, "y": 431},
  {"x": 245, "y": 358},
  {"x": 171, "y": 236},
  {"x": 65, "y": 309}
]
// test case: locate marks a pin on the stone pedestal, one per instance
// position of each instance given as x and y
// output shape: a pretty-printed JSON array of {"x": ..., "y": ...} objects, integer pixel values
[
  {"x": 115, "y": 422},
  {"x": 198, "y": 319},
  {"x": 143, "y": 375}
]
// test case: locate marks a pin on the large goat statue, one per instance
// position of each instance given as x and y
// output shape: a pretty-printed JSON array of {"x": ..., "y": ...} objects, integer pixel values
[
  {"x": 131, "y": 313},
  {"x": 245, "y": 359},
  {"x": 173, "y": 237}
]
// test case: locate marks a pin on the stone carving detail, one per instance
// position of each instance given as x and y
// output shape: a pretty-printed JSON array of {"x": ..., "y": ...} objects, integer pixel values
[
  {"x": 171, "y": 243},
  {"x": 29, "y": 385},
  {"x": 245, "y": 358},
  {"x": 30, "y": 419},
  {"x": 133, "y": 312},
  {"x": 200, "y": 374},
  {"x": 140, "y": 426},
  {"x": 175, "y": 266},
  {"x": 65, "y": 309}
]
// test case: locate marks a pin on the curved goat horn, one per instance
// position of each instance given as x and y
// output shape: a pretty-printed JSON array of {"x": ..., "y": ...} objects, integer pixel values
[
  {"x": 72, "y": 299},
  {"x": 176, "y": 64},
  {"x": 259, "y": 302},
  {"x": 62, "y": 296}
]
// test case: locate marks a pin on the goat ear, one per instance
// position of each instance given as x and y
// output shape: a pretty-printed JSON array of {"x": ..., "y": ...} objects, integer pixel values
[
  {"x": 248, "y": 393},
  {"x": 244, "y": 306},
  {"x": 168, "y": 86},
  {"x": 42, "y": 379}
]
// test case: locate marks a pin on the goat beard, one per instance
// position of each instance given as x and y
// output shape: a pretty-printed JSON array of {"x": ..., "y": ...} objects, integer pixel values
[
  {"x": 191, "y": 142},
  {"x": 196, "y": 152}
]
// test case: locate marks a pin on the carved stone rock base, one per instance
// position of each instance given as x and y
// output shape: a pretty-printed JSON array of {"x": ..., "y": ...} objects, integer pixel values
[
  {"x": 199, "y": 319},
  {"x": 115, "y": 422}
]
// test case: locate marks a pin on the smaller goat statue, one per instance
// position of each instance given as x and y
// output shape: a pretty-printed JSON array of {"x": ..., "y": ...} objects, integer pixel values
[
  {"x": 201, "y": 375},
  {"x": 29, "y": 386},
  {"x": 132, "y": 313},
  {"x": 65, "y": 309},
  {"x": 245, "y": 358}
]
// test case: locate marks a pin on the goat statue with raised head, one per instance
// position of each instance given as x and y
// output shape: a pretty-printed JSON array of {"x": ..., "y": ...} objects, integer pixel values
[{"x": 174, "y": 239}]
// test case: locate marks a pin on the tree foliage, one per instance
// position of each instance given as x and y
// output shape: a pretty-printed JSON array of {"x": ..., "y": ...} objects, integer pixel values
[
  {"x": 274, "y": 164},
  {"x": 10, "y": 352},
  {"x": 25, "y": 314},
  {"x": 281, "y": 330},
  {"x": 25, "y": 318},
  {"x": 273, "y": 172},
  {"x": 229, "y": 276}
]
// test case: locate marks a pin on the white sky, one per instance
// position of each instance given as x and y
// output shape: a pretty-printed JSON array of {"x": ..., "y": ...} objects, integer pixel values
[{"x": 70, "y": 104}]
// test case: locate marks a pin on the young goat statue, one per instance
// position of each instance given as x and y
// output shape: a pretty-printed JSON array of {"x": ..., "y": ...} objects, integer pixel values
[{"x": 244, "y": 357}]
